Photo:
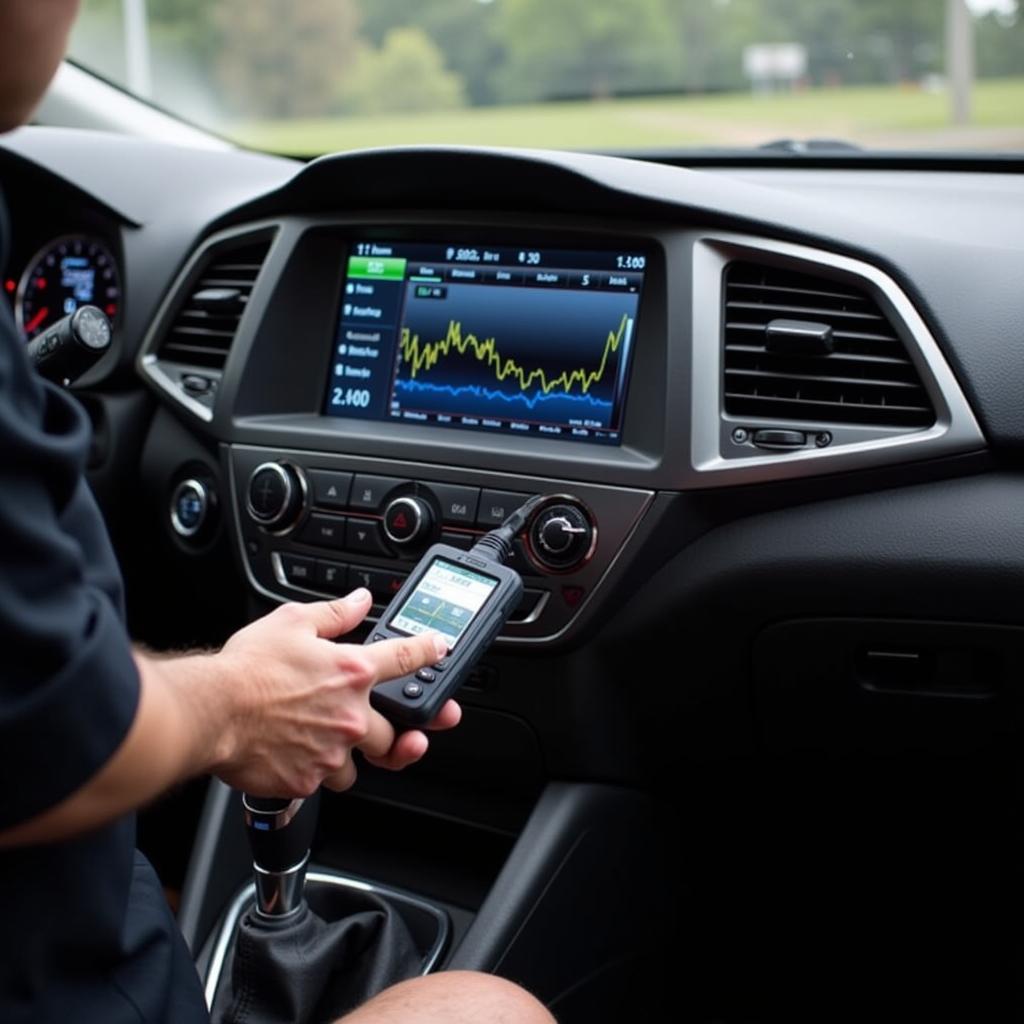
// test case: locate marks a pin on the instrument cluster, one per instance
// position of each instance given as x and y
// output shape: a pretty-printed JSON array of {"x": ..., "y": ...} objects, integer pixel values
[{"x": 63, "y": 274}]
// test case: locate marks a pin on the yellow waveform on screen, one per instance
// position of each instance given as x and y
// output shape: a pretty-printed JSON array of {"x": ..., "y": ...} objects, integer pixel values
[{"x": 420, "y": 357}]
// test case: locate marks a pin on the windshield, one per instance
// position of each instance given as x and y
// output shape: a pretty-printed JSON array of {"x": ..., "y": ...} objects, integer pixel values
[{"x": 311, "y": 76}]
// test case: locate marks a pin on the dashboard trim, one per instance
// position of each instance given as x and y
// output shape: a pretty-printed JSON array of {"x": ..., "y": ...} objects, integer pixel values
[{"x": 955, "y": 430}]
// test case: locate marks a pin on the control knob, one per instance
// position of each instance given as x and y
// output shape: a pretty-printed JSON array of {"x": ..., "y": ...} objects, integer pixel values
[
  {"x": 561, "y": 537},
  {"x": 407, "y": 521},
  {"x": 275, "y": 496}
]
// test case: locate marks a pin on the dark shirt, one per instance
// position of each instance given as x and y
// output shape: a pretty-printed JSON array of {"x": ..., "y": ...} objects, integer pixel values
[{"x": 85, "y": 933}]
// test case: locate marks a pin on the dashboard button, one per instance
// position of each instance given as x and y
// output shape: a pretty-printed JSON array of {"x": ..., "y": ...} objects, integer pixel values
[
  {"x": 365, "y": 536},
  {"x": 464, "y": 541},
  {"x": 330, "y": 489},
  {"x": 324, "y": 531},
  {"x": 458, "y": 504},
  {"x": 497, "y": 506},
  {"x": 407, "y": 521},
  {"x": 380, "y": 582},
  {"x": 300, "y": 572},
  {"x": 332, "y": 577},
  {"x": 369, "y": 492},
  {"x": 194, "y": 384},
  {"x": 780, "y": 438},
  {"x": 190, "y": 504}
]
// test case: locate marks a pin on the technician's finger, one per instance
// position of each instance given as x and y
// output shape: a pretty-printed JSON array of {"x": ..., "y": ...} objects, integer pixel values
[
  {"x": 404, "y": 655},
  {"x": 331, "y": 619},
  {"x": 406, "y": 750},
  {"x": 447, "y": 718},
  {"x": 380, "y": 735},
  {"x": 342, "y": 779}
]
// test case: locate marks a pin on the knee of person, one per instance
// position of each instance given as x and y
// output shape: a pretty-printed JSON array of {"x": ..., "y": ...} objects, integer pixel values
[
  {"x": 513, "y": 1000},
  {"x": 454, "y": 997}
]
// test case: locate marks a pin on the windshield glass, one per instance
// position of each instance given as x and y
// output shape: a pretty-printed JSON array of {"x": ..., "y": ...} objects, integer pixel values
[{"x": 311, "y": 76}]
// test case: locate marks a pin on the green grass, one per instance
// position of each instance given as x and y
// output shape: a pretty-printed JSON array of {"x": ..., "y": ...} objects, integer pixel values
[{"x": 878, "y": 116}]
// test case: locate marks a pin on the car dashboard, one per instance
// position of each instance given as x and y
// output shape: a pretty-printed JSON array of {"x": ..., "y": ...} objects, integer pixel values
[{"x": 769, "y": 646}]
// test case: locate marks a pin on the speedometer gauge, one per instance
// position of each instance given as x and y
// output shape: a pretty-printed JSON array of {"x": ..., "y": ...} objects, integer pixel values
[{"x": 67, "y": 273}]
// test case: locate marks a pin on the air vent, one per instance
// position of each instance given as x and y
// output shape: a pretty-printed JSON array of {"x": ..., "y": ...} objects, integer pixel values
[
  {"x": 804, "y": 348},
  {"x": 207, "y": 321}
]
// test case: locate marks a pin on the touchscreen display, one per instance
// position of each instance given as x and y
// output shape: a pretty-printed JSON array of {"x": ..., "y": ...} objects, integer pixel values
[
  {"x": 506, "y": 339},
  {"x": 447, "y": 599}
]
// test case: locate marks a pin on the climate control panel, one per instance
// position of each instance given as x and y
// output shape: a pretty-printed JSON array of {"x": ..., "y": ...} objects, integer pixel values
[{"x": 320, "y": 525}]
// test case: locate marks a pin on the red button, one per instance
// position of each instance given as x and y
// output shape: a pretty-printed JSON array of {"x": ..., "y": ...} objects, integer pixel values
[{"x": 572, "y": 596}]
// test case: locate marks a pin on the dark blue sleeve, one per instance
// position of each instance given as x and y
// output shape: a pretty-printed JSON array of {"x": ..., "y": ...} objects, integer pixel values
[{"x": 68, "y": 685}]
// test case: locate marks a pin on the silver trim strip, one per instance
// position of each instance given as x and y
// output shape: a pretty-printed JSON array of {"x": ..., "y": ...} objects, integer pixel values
[
  {"x": 535, "y": 614},
  {"x": 276, "y": 819},
  {"x": 280, "y": 894},
  {"x": 246, "y": 896},
  {"x": 955, "y": 429}
]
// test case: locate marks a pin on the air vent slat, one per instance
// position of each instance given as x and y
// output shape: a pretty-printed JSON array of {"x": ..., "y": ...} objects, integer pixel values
[
  {"x": 799, "y": 378},
  {"x": 196, "y": 349},
  {"x": 806, "y": 311},
  {"x": 208, "y": 317},
  {"x": 837, "y": 335},
  {"x": 868, "y": 378},
  {"x": 224, "y": 281},
  {"x": 837, "y": 357},
  {"x": 205, "y": 332},
  {"x": 817, "y": 293},
  {"x": 911, "y": 407}
]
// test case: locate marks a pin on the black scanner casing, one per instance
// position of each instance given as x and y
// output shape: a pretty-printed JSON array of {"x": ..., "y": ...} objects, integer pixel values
[{"x": 388, "y": 698}]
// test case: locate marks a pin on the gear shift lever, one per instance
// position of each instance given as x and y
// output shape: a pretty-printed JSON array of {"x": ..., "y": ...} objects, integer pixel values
[
  {"x": 299, "y": 962},
  {"x": 280, "y": 834}
]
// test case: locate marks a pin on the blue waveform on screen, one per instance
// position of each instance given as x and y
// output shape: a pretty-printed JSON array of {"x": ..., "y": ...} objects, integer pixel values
[{"x": 490, "y": 395}]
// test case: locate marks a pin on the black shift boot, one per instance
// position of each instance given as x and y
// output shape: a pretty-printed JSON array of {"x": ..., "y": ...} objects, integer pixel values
[{"x": 315, "y": 966}]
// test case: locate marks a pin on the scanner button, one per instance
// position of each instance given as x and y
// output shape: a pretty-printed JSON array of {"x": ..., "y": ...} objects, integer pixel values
[
  {"x": 412, "y": 690},
  {"x": 425, "y": 675}
]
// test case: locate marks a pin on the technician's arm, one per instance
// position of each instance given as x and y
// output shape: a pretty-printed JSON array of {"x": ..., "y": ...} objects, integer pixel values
[{"x": 276, "y": 712}]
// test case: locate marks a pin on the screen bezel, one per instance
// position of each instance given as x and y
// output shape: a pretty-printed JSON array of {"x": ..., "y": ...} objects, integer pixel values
[
  {"x": 459, "y": 236},
  {"x": 414, "y": 587},
  {"x": 274, "y": 382}
]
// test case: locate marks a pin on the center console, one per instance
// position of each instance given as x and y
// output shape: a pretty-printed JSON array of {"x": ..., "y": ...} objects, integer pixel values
[
  {"x": 320, "y": 524},
  {"x": 386, "y": 386}
]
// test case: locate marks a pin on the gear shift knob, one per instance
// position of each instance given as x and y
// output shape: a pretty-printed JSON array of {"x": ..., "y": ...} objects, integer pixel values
[{"x": 280, "y": 834}]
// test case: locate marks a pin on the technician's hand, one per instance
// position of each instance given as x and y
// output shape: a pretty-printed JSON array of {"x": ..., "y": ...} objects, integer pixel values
[{"x": 302, "y": 702}]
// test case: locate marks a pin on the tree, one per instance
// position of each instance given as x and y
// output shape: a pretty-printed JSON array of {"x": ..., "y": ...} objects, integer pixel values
[
  {"x": 1000, "y": 43},
  {"x": 466, "y": 32},
  {"x": 407, "y": 73},
  {"x": 586, "y": 47},
  {"x": 280, "y": 59}
]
